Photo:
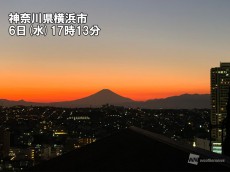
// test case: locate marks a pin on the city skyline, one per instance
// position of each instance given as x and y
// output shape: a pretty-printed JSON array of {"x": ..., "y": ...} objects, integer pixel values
[{"x": 146, "y": 50}]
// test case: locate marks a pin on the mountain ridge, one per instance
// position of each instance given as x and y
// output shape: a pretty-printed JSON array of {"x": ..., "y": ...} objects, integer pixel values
[{"x": 106, "y": 96}]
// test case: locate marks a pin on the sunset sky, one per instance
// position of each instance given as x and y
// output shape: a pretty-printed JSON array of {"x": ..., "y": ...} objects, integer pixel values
[{"x": 146, "y": 49}]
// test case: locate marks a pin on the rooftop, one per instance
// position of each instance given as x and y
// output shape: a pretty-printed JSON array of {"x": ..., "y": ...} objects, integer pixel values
[{"x": 133, "y": 149}]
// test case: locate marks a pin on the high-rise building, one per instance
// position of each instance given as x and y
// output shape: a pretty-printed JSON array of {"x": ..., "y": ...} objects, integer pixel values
[{"x": 220, "y": 82}]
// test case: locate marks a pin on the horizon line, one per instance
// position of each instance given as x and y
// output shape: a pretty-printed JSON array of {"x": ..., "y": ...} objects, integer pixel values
[{"x": 67, "y": 100}]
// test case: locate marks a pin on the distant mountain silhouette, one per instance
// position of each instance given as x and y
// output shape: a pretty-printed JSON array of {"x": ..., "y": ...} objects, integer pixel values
[
  {"x": 105, "y": 96},
  {"x": 8, "y": 103},
  {"x": 184, "y": 101},
  {"x": 102, "y": 97}
]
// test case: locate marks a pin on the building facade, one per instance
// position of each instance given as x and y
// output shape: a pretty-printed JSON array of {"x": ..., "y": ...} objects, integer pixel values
[{"x": 220, "y": 82}]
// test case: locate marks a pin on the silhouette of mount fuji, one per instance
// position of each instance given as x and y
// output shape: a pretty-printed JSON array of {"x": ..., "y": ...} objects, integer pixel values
[
  {"x": 106, "y": 96},
  {"x": 102, "y": 97}
]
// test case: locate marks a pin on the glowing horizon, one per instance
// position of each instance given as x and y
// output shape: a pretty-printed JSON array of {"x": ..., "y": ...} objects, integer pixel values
[{"x": 76, "y": 96}]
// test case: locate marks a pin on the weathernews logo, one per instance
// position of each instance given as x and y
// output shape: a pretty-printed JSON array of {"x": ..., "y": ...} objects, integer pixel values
[{"x": 193, "y": 159}]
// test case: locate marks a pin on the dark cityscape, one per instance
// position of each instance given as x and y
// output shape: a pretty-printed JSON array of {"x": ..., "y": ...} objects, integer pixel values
[{"x": 36, "y": 134}]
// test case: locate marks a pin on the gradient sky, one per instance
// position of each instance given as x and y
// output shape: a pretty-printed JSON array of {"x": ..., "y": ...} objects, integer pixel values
[{"x": 146, "y": 49}]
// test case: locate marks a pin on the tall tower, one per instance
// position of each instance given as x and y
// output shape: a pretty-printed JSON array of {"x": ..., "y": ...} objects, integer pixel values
[{"x": 220, "y": 82}]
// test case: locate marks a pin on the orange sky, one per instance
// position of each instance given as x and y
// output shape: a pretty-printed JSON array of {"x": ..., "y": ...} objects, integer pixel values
[
  {"x": 47, "y": 86},
  {"x": 57, "y": 73}
]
